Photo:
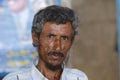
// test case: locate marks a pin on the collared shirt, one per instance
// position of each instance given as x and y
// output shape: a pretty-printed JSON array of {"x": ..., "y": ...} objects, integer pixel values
[{"x": 33, "y": 73}]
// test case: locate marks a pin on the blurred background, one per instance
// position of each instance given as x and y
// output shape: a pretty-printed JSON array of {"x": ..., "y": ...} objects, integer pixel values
[{"x": 96, "y": 47}]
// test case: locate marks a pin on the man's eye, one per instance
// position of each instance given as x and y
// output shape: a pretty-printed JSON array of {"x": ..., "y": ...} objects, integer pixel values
[
  {"x": 65, "y": 38},
  {"x": 50, "y": 36}
]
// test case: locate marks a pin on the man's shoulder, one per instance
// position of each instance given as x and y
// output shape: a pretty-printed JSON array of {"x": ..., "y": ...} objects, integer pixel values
[
  {"x": 75, "y": 73},
  {"x": 16, "y": 75}
]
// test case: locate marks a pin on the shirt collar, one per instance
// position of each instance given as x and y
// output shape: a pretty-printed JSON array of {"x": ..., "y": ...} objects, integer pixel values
[{"x": 37, "y": 75}]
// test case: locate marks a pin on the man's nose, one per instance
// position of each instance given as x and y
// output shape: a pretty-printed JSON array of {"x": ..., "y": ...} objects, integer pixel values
[{"x": 57, "y": 44}]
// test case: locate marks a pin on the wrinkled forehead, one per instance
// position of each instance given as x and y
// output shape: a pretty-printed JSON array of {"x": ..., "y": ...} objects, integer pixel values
[{"x": 58, "y": 28}]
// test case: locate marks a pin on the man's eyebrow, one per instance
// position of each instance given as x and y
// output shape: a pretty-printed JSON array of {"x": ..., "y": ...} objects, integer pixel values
[
  {"x": 65, "y": 36},
  {"x": 51, "y": 34}
]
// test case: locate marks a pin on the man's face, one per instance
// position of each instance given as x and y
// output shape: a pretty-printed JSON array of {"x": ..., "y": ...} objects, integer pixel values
[{"x": 55, "y": 41}]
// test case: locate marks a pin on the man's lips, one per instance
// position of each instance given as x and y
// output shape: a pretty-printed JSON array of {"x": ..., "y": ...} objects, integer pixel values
[{"x": 56, "y": 55}]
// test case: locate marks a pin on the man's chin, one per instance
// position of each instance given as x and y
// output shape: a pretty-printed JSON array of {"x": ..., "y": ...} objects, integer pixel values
[{"x": 53, "y": 67}]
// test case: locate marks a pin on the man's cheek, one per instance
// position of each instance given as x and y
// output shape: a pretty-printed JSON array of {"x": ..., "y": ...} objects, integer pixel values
[
  {"x": 51, "y": 46},
  {"x": 47, "y": 47}
]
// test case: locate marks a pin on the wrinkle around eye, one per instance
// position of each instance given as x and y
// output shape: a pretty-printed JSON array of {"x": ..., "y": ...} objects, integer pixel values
[
  {"x": 64, "y": 37},
  {"x": 50, "y": 35}
]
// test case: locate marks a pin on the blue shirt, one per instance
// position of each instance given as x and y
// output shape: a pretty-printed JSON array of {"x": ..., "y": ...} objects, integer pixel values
[{"x": 33, "y": 73}]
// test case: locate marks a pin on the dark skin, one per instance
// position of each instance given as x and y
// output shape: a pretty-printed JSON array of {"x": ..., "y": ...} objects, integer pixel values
[{"x": 55, "y": 41}]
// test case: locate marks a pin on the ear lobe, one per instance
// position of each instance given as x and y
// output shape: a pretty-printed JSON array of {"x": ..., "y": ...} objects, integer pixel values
[{"x": 35, "y": 39}]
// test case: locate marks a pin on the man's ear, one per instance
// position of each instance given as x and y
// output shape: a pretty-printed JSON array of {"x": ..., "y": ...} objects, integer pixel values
[{"x": 35, "y": 39}]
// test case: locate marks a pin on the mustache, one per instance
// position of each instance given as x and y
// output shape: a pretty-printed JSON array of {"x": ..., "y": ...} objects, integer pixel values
[{"x": 56, "y": 54}]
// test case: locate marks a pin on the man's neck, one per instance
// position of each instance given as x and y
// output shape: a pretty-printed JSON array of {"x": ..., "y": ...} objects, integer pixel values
[{"x": 48, "y": 73}]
